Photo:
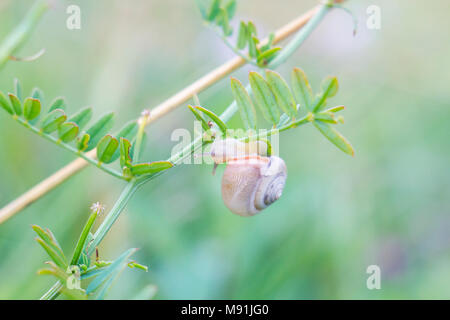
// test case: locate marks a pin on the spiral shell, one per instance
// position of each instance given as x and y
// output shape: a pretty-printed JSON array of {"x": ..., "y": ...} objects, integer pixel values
[{"x": 251, "y": 184}]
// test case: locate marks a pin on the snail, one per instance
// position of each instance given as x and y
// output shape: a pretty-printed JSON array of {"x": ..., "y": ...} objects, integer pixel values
[{"x": 251, "y": 180}]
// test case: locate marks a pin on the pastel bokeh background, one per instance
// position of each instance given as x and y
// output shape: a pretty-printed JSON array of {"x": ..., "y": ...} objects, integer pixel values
[{"x": 389, "y": 205}]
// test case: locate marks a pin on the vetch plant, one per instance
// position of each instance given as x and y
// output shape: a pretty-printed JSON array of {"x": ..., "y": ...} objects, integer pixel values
[{"x": 254, "y": 177}]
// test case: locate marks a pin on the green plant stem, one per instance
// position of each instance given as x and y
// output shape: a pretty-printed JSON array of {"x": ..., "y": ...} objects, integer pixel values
[
  {"x": 300, "y": 37},
  {"x": 133, "y": 185},
  {"x": 139, "y": 138},
  {"x": 234, "y": 49},
  {"x": 112, "y": 216},
  {"x": 71, "y": 149},
  {"x": 21, "y": 33},
  {"x": 53, "y": 292},
  {"x": 84, "y": 235}
]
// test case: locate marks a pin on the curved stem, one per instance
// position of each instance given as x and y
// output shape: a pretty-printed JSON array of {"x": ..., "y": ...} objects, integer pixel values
[
  {"x": 19, "y": 35},
  {"x": 300, "y": 37},
  {"x": 112, "y": 216},
  {"x": 234, "y": 49}
]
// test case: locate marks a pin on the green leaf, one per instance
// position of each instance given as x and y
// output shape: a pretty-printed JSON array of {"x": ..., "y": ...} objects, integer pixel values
[
  {"x": 128, "y": 132},
  {"x": 269, "y": 43},
  {"x": 92, "y": 273},
  {"x": 106, "y": 148},
  {"x": 82, "y": 142},
  {"x": 37, "y": 93},
  {"x": 31, "y": 108},
  {"x": 17, "y": 106},
  {"x": 244, "y": 103},
  {"x": 264, "y": 98},
  {"x": 284, "y": 119},
  {"x": 53, "y": 120},
  {"x": 52, "y": 254},
  {"x": 150, "y": 168},
  {"x": 105, "y": 278},
  {"x": 134, "y": 264},
  {"x": 125, "y": 158},
  {"x": 203, "y": 7},
  {"x": 301, "y": 88},
  {"x": 252, "y": 50},
  {"x": 18, "y": 89},
  {"x": 335, "y": 109},
  {"x": 214, "y": 10},
  {"x": 83, "y": 237},
  {"x": 223, "y": 20},
  {"x": 99, "y": 129},
  {"x": 325, "y": 117},
  {"x": 282, "y": 93},
  {"x": 265, "y": 57},
  {"x": 4, "y": 103},
  {"x": 48, "y": 237},
  {"x": 68, "y": 131},
  {"x": 242, "y": 36},
  {"x": 329, "y": 88},
  {"x": 251, "y": 29},
  {"x": 334, "y": 136},
  {"x": 199, "y": 117},
  {"x": 214, "y": 117},
  {"x": 82, "y": 117},
  {"x": 231, "y": 8},
  {"x": 54, "y": 271},
  {"x": 57, "y": 103}
]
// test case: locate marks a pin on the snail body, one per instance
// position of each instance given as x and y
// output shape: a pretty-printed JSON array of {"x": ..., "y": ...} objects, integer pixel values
[
  {"x": 228, "y": 149},
  {"x": 251, "y": 180}
]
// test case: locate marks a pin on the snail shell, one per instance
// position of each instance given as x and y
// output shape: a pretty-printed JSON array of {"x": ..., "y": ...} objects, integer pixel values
[{"x": 252, "y": 183}]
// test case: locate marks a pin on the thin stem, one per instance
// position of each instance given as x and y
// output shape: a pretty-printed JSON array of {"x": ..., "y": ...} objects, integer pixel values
[
  {"x": 112, "y": 216},
  {"x": 234, "y": 49},
  {"x": 300, "y": 37},
  {"x": 140, "y": 136},
  {"x": 71, "y": 149},
  {"x": 21, "y": 33},
  {"x": 53, "y": 292}
]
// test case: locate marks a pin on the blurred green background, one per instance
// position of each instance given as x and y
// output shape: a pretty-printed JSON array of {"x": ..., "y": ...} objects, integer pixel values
[{"x": 389, "y": 205}]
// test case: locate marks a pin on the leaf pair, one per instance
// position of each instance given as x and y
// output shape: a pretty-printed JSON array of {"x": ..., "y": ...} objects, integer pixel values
[
  {"x": 247, "y": 37},
  {"x": 141, "y": 169},
  {"x": 271, "y": 96},
  {"x": 47, "y": 241},
  {"x": 215, "y": 118},
  {"x": 220, "y": 13},
  {"x": 30, "y": 109},
  {"x": 323, "y": 119}
]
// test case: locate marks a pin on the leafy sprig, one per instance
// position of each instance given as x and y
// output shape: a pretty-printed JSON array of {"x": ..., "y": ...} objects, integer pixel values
[
  {"x": 101, "y": 274},
  {"x": 218, "y": 14},
  {"x": 282, "y": 105},
  {"x": 70, "y": 132}
]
